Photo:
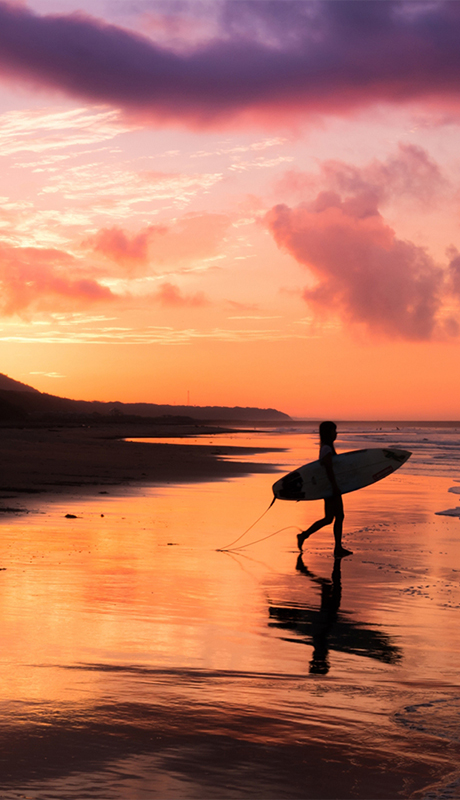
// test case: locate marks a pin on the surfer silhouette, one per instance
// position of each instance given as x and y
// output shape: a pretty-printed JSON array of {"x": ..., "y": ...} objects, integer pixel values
[{"x": 333, "y": 506}]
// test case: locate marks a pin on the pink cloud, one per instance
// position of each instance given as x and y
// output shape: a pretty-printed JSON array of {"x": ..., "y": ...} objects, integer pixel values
[
  {"x": 236, "y": 306},
  {"x": 454, "y": 270},
  {"x": 190, "y": 238},
  {"x": 264, "y": 58},
  {"x": 123, "y": 248},
  {"x": 408, "y": 172},
  {"x": 364, "y": 273},
  {"x": 43, "y": 279},
  {"x": 170, "y": 295}
]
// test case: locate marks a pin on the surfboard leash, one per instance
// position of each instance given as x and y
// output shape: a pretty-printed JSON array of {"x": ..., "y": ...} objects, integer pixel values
[
  {"x": 227, "y": 546},
  {"x": 241, "y": 547}
]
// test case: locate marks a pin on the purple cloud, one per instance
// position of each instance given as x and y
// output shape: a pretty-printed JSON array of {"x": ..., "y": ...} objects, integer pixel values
[{"x": 308, "y": 57}]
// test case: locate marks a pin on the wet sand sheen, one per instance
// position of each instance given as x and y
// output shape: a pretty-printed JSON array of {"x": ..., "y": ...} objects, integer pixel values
[
  {"x": 84, "y": 459},
  {"x": 139, "y": 662}
]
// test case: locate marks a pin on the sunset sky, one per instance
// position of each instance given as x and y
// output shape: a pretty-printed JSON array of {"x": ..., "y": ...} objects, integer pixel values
[{"x": 243, "y": 203}]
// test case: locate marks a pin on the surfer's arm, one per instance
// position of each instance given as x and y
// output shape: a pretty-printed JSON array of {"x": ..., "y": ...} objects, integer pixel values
[{"x": 326, "y": 462}]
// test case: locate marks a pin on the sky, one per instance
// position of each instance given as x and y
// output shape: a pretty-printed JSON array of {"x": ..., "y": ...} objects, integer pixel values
[{"x": 233, "y": 203}]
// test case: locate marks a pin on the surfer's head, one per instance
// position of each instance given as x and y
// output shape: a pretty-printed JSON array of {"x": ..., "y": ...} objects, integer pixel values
[{"x": 328, "y": 432}]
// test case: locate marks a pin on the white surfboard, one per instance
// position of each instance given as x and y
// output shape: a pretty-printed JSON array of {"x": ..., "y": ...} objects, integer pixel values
[{"x": 352, "y": 471}]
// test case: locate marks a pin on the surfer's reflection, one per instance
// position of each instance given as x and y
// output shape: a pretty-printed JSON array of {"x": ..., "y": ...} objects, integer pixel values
[
  {"x": 326, "y": 629},
  {"x": 331, "y": 595}
]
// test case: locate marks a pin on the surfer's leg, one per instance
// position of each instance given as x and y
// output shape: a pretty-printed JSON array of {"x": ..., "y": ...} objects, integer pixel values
[
  {"x": 327, "y": 519},
  {"x": 338, "y": 520},
  {"x": 339, "y": 551}
]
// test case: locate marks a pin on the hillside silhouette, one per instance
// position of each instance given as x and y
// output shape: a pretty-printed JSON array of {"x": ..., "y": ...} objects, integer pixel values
[{"x": 20, "y": 402}]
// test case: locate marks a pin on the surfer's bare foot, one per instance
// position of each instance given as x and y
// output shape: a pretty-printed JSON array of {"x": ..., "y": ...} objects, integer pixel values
[
  {"x": 341, "y": 552},
  {"x": 301, "y": 538}
]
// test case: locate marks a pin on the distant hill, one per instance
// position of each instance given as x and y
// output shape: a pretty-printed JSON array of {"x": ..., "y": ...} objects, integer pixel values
[
  {"x": 19, "y": 401},
  {"x": 10, "y": 385}
]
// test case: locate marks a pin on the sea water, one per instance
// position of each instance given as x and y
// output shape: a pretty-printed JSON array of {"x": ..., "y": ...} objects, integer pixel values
[{"x": 140, "y": 660}]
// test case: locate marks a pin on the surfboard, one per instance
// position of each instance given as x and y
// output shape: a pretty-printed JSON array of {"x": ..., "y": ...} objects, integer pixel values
[{"x": 352, "y": 470}]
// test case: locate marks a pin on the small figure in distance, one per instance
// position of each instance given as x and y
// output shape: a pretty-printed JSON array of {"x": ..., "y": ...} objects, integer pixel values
[{"x": 333, "y": 506}]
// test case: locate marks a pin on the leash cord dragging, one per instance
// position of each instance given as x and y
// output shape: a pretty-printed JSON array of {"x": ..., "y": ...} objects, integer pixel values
[
  {"x": 227, "y": 546},
  {"x": 242, "y": 546}
]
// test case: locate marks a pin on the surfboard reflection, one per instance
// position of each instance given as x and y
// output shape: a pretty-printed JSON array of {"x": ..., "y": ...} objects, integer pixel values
[{"x": 326, "y": 629}]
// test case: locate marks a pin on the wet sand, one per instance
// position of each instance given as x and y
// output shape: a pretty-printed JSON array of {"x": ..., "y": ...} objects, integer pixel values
[
  {"x": 140, "y": 662},
  {"x": 86, "y": 459}
]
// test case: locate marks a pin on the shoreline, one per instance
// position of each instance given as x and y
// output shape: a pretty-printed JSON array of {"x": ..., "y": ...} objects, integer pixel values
[{"x": 42, "y": 462}]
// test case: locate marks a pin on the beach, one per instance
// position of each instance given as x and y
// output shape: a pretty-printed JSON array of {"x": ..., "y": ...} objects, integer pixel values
[
  {"x": 145, "y": 656},
  {"x": 83, "y": 459}
]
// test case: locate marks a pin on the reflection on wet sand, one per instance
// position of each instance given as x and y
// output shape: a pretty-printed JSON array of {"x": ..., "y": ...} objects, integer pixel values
[
  {"x": 134, "y": 669},
  {"x": 179, "y": 734},
  {"x": 325, "y": 629}
]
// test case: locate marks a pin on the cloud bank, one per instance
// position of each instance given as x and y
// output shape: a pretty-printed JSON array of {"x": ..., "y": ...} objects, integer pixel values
[
  {"x": 309, "y": 57},
  {"x": 364, "y": 273}
]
